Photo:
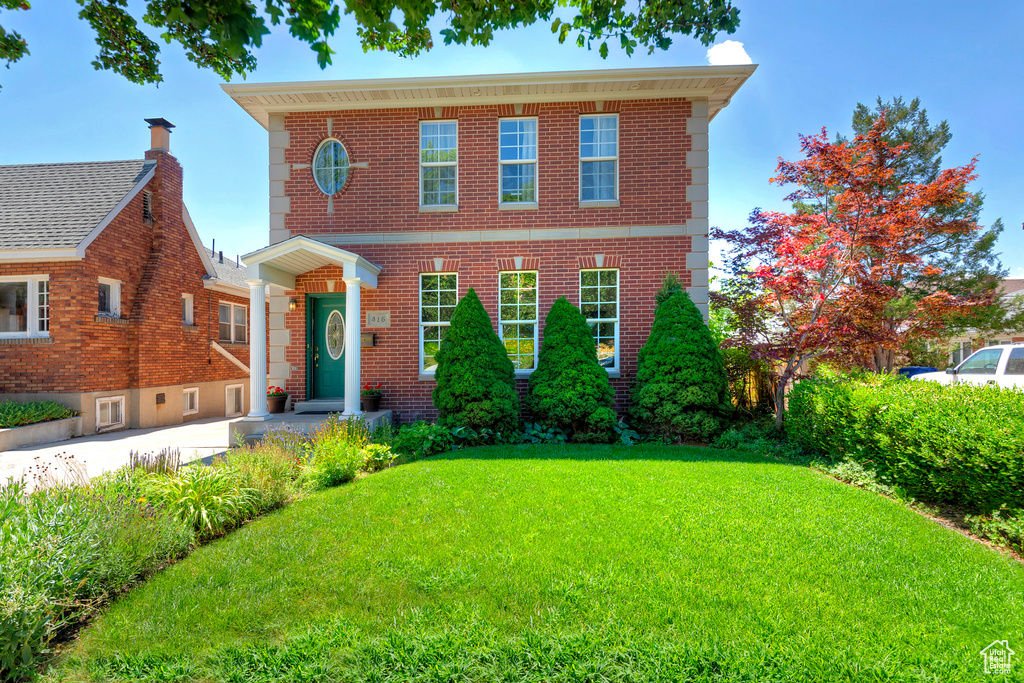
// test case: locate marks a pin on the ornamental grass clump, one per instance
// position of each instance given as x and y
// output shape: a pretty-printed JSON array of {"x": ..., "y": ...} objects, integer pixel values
[
  {"x": 681, "y": 390},
  {"x": 476, "y": 384},
  {"x": 569, "y": 389},
  {"x": 209, "y": 500}
]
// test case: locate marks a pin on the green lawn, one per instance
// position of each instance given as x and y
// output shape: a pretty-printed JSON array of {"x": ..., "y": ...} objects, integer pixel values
[{"x": 563, "y": 563}]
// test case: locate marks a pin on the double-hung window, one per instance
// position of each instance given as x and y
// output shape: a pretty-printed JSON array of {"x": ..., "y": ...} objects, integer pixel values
[
  {"x": 517, "y": 159},
  {"x": 232, "y": 319},
  {"x": 517, "y": 306},
  {"x": 439, "y": 164},
  {"x": 599, "y": 301},
  {"x": 439, "y": 292},
  {"x": 599, "y": 158},
  {"x": 25, "y": 306},
  {"x": 109, "y": 298},
  {"x": 190, "y": 401}
]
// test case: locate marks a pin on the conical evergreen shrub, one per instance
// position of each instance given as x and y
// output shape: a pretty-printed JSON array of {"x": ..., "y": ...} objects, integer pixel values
[
  {"x": 569, "y": 389},
  {"x": 681, "y": 388},
  {"x": 476, "y": 384}
]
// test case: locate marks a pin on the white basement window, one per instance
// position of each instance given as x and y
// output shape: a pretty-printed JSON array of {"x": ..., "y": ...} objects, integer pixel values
[
  {"x": 190, "y": 401},
  {"x": 109, "y": 302},
  {"x": 24, "y": 306},
  {"x": 233, "y": 321},
  {"x": 233, "y": 405},
  {"x": 517, "y": 314},
  {"x": 599, "y": 301},
  {"x": 109, "y": 413}
]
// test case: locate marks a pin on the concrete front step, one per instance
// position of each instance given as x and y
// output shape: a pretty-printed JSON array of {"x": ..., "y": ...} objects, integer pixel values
[
  {"x": 246, "y": 431},
  {"x": 320, "y": 406}
]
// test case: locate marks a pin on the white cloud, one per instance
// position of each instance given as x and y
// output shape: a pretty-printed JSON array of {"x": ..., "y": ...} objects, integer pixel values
[{"x": 729, "y": 52}]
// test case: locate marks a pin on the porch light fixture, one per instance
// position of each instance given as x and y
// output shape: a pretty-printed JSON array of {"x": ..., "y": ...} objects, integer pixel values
[{"x": 292, "y": 304}]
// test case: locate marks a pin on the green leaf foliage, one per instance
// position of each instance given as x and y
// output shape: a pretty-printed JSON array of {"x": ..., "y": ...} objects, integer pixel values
[
  {"x": 223, "y": 34},
  {"x": 681, "y": 387},
  {"x": 476, "y": 383},
  {"x": 959, "y": 444},
  {"x": 569, "y": 389}
]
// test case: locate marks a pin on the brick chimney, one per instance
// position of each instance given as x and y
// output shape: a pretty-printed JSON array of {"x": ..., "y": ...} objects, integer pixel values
[{"x": 160, "y": 134}]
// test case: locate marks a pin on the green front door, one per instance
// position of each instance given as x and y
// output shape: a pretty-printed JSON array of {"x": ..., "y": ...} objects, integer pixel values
[{"x": 327, "y": 346}]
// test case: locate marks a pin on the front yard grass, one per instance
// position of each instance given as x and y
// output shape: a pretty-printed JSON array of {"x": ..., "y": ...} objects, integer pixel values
[{"x": 571, "y": 563}]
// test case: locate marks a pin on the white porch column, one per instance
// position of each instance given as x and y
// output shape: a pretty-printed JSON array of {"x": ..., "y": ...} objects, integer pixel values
[
  {"x": 353, "y": 345},
  {"x": 257, "y": 350}
]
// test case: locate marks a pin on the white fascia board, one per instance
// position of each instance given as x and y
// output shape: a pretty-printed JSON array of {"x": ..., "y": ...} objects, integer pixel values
[
  {"x": 38, "y": 255},
  {"x": 83, "y": 245},
  {"x": 225, "y": 288},
  {"x": 194, "y": 234}
]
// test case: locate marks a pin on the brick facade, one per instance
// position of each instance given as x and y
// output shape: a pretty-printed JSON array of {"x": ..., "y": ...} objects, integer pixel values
[
  {"x": 156, "y": 262},
  {"x": 656, "y": 175}
]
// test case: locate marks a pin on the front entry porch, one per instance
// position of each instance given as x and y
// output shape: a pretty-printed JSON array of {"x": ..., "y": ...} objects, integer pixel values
[{"x": 332, "y": 365}]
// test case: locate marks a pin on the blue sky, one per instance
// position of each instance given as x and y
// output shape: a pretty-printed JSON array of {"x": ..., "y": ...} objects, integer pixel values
[{"x": 816, "y": 61}]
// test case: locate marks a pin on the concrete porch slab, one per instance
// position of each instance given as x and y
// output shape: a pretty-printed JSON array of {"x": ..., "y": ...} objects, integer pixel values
[{"x": 248, "y": 431}]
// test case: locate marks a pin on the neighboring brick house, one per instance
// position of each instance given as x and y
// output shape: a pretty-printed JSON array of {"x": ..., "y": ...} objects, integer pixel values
[
  {"x": 389, "y": 199},
  {"x": 109, "y": 303}
]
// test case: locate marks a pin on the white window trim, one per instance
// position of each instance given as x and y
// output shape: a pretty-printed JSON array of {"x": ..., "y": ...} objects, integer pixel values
[
  {"x": 614, "y": 201},
  {"x": 233, "y": 306},
  {"x": 189, "y": 312},
  {"x": 613, "y": 371},
  {"x": 32, "y": 304},
  {"x": 433, "y": 164},
  {"x": 228, "y": 402},
  {"x": 535, "y": 322},
  {"x": 195, "y": 392},
  {"x": 423, "y": 373},
  {"x": 115, "y": 298},
  {"x": 109, "y": 399},
  {"x": 535, "y": 202}
]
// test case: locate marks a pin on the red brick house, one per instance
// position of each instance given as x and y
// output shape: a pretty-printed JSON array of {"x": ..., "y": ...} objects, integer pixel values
[
  {"x": 109, "y": 302},
  {"x": 389, "y": 199}
]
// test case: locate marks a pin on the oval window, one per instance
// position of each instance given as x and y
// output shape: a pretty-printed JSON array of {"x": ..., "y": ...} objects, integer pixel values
[
  {"x": 330, "y": 166},
  {"x": 335, "y": 334}
]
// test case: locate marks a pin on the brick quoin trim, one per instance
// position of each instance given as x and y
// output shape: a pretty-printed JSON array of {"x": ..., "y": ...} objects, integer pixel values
[
  {"x": 395, "y": 359},
  {"x": 156, "y": 263}
]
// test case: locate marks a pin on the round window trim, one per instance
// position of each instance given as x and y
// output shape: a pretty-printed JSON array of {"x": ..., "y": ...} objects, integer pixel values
[
  {"x": 334, "y": 334},
  {"x": 330, "y": 175}
]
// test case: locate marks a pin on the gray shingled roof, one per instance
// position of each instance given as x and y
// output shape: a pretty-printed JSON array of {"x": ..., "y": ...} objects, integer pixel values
[
  {"x": 55, "y": 206},
  {"x": 227, "y": 272}
]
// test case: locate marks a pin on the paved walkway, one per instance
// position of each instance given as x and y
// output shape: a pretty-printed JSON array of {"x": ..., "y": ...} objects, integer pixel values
[{"x": 103, "y": 452}]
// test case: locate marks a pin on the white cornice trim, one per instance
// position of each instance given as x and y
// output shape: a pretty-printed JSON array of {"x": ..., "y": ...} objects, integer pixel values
[
  {"x": 84, "y": 244},
  {"x": 714, "y": 83},
  {"x": 225, "y": 288},
  {"x": 194, "y": 234},
  {"x": 227, "y": 354},
  {"x": 38, "y": 255}
]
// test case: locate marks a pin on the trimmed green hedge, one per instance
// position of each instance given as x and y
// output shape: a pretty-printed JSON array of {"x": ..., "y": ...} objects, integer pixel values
[
  {"x": 962, "y": 445},
  {"x": 14, "y": 414}
]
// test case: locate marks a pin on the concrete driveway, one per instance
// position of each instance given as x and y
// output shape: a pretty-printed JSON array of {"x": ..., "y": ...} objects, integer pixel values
[{"x": 103, "y": 452}]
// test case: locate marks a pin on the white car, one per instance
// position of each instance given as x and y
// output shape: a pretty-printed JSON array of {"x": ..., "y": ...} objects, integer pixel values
[{"x": 997, "y": 365}]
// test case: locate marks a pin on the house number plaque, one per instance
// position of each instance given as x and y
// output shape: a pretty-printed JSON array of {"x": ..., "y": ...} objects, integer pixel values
[{"x": 378, "y": 318}]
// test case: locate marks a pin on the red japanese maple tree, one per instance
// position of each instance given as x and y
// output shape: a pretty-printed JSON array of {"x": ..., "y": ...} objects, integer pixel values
[{"x": 825, "y": 278}]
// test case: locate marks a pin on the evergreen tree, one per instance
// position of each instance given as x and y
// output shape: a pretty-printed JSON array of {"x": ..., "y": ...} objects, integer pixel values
[
  {"x": 569, "y": 389},
  {"x": 681, "y": 390},
  {"x": 475, "y": 380}
]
